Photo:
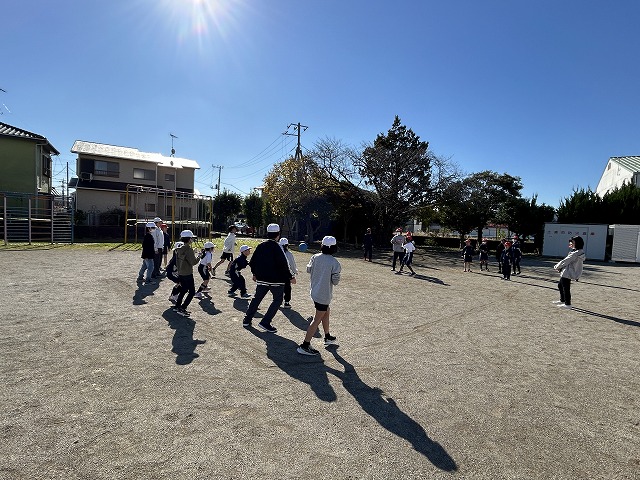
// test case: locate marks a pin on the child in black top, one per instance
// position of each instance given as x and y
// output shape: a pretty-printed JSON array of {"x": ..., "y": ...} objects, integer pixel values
[
  {"x": 517, "y": 256},
  {"x": 467, "y": 254},
  {"x": 506, "y": 260},
  {"x": 148, "y": 253},
  {"x": 237, "y": 280},
  {"x": 484, "y": 254}
]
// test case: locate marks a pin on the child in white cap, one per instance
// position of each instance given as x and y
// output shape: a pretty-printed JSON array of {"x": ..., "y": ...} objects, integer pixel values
[
  {"x": 204, "y": 269},
  {"x": 186, "y": 259},
  {"x": 227, "y": 250},
  {"x": 284, "y": 243},
  {"x": 324, "y": 271}
]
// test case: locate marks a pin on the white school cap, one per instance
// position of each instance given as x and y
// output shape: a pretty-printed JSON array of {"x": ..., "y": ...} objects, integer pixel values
[
  {"x": 273, "y": 227},
  {"x": 329, "y": 241},
  {"x": 244, "y": 248}
]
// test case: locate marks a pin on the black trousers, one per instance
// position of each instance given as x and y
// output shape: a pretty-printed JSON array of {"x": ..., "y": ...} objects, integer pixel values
[
  {"x": 261, "y": 290},
  {"x": 397, "y": 256},
  {"x": 188, "y": 288},
  {"x": 564, "y": 285}
]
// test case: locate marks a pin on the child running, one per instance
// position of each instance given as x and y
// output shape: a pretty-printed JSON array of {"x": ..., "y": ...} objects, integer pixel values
[
  {"x": 204, "y": 269},
  {"x": 324, "y": 271},
  {"x": 172, "y": 273},
  {"x": 227, "y": 250},
  {"x": 407, "y": 260},
  {"x": 237, "y": 280},
  {"x": 186, "y": 261},
  {"x": 284, "y": 243}
]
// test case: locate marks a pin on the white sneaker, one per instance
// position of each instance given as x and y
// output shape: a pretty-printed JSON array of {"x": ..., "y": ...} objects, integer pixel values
[
  {"x": 173, "y": 298},
  {"x": 199, "y": 295},
  {"x": 557, "y": 302},
  {"x": 562, "y": 305}
]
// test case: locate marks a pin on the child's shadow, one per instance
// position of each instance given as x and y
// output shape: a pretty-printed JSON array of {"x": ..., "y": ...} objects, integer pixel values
[
  {"x": 184, "y": 345},
  {"x": 207, "y": 305},
  {"x": 242, "y": 304},
  {"x": 430, "y": 279},
  {"x": 282, "y": 352},
  {"x": 387, "y": 413},
  {"x": 143, "y": 291},
  {"x": 299, "y": 321}
]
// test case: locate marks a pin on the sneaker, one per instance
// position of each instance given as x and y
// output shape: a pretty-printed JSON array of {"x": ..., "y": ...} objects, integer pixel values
[
  {"x": 173, "y": 299},
  {"x": 267, "y": 328},
  {"x": 140, "y": 279},
  {"x": 175, "y": 308},
  {"x": 183, "y": 312},
  {"x": 213, "y": 273},
  {"x": 307, "y": 350},
  {"x": 564, "y": 305},
  {"x": 330, "y": 340},
  {"x": 557, "y": 302},
  {"x": 246, "y": 295},
  {"x": 206, "y": 289},
  {"x": 246, "y": 323},
  {"x": 286, "y": 305},
  {"x": 199, "y": 295}
]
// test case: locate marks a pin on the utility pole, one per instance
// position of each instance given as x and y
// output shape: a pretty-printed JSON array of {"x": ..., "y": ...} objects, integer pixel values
[
  {"x": 217, "y": 186},
  {"x": 297, "y": 129}
]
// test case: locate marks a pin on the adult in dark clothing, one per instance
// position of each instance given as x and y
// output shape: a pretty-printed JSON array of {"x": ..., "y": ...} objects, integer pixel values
[
  {"x": 367, "y": 244},
  {"x": 270, "y": 272},
  {"x": 148, "y": 253}
]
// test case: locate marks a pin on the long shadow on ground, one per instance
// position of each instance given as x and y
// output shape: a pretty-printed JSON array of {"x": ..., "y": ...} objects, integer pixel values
[
  {"x": 307, "y": 369},
  {"x": 631, "y": 323},
  {"x": 144, "y": 290},
  {"x": 387, "y": 413},
  {"x": 183, "y": 343}
]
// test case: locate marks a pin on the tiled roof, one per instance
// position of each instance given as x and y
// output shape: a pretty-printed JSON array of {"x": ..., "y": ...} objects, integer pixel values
[
  {"x": 11, "y": 131},
  {"x": 630, "y": 163},
  {"x": 113, "y": 151}
]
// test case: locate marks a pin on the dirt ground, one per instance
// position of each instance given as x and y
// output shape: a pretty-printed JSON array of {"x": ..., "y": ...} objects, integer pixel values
[{"x": 442, "y": 375}]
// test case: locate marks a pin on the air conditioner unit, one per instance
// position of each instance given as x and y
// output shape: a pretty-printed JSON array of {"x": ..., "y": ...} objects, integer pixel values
[{"x": 86, "y": 176}]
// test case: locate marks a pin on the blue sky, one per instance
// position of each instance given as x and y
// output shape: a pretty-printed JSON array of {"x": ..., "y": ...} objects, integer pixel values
[{"x": 545, "y": 90}]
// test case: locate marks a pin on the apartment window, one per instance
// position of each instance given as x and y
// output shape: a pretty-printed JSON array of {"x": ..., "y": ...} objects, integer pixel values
[
  {"x": 169, "y": 212},
  {"x": 185, "y": 212},
  {"x": 169, "y": 177},
  {"x": 123, "y": 199},
  {"x": 106, "y": 169},
  {"x": 149, "y": 207},
  {"x": 143, "y": 174},
  {"x": 46, "y": 165}
]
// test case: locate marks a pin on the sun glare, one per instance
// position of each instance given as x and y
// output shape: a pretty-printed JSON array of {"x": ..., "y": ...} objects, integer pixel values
[{"x": 202, "y": 21}]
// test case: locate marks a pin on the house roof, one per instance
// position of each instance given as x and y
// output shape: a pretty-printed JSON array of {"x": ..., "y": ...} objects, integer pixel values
[
  {"x": 128, "y": 153},
  {"x": 7, "y": 130},
  {"x": 630, "y": 163}
]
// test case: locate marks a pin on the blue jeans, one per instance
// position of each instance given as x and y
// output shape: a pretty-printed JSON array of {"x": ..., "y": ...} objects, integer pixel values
[
  {"x": 147, "y": 264},
  {"x": 261, "y": 290}
]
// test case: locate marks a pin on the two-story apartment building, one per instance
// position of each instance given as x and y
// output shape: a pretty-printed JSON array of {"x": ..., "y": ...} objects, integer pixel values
[
  {"x": 25, "y": 161},
  {"x": 156, "y": 185}
]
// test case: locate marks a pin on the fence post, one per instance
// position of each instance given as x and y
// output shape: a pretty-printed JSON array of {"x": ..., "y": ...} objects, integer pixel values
[
  {"x": 4, "y": 219},
  {"x": 52, "y": 208},
  {"x": 29, "y": 222}
]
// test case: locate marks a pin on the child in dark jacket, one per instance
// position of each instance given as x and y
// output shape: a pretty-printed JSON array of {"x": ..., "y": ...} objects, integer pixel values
[
  {"x": 148, "y": 253},
  {"x": 517, "y": 256},
  {"x": 467, "y": 254},
  {"x": 237, "y": 280},
  {"x": 506, "y": 260},
  {"x": 172, "y": 273}
]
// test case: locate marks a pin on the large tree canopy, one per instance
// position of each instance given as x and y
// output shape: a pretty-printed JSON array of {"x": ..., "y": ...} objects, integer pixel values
[
  {"x": 226, "y": 206},
  {"x": 474, "y": 201},
  {"x": 294, "y": 190},
  {"x": 398, "y": 167}
]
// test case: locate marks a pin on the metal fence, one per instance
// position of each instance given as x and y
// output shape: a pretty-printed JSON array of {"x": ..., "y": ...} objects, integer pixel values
[{"x": 30, "y": 219}]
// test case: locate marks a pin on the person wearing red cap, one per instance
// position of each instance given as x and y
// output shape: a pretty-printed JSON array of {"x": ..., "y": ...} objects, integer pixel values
[{"x": 397, "y": 244}]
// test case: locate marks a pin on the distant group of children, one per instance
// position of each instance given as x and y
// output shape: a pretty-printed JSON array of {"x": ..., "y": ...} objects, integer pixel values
[{"x": 508, "y": 256}]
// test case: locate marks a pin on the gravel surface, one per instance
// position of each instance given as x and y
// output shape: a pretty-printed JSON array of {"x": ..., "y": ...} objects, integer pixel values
[{"x": 442, "y": 375}]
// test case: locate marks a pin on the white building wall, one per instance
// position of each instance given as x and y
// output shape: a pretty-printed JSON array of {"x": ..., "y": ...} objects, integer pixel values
[{"x": 613, "y": 177}]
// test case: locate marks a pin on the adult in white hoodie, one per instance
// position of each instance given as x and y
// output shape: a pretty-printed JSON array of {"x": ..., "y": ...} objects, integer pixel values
[{"x": 570, "y": 268}]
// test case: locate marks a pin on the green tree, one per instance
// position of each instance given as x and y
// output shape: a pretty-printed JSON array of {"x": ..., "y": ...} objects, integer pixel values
[
  {"x": 583, "y": 206},
  {"x": 226, "y": 206},
  {"x": 253, "y": 205},
  {"x": 398, "y": 168},
  {"x": 526, "y": 218},
  {"x": 473, "y": 202},
  {"x": 294, "y": 190},
  {"x": 622, "y": 204}
]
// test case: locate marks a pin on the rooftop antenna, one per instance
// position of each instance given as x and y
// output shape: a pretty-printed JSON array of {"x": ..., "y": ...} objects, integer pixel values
[
  {"x": 173, "y": 150},
  {"x": 6, "y": 108}
]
